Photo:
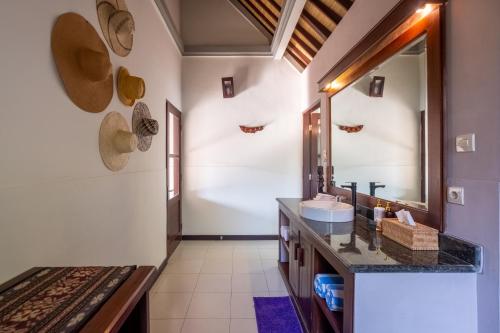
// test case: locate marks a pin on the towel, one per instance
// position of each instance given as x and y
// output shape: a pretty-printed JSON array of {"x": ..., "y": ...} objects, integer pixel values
[
  {"x": 335, "y": 299},
  {"x": 321, "y": 281},
  {"x": 284, "y": 231}
]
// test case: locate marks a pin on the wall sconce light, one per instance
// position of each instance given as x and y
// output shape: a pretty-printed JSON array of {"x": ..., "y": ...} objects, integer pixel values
[
  {"x": 377, "y": 86},
  {"x": 425, "y": 10},
  {"x": 227, "y": 87}
]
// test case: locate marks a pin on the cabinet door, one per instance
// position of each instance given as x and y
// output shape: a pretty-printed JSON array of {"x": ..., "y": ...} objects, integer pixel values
[
  {"x": 293, "y": 259},
  {"x": 305, "y": 279}
]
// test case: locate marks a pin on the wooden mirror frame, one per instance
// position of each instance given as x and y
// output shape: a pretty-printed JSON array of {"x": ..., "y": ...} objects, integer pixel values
[{"x": 404, "y": 24}]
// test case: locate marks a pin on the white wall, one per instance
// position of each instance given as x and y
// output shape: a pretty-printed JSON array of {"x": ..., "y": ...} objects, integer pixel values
[
  {"x": 231, "y": 179},
  {"x": 59, "y": 204},
  {"x": 387, "y": 149}
]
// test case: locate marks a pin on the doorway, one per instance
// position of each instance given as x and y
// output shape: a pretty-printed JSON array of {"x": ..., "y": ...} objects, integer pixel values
[
  {"x": 313, "y": 177},
  {"x": 174, "y": 179}
]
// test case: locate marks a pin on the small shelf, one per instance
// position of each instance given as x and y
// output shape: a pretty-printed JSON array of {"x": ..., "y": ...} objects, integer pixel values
[{"x": 335, "y": 318}]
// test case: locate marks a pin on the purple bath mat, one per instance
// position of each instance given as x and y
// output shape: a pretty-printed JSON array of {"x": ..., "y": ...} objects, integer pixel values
[{"x": 276, "y": 315}]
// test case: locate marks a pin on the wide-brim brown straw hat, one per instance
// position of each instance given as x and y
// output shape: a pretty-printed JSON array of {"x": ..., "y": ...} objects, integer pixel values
[
  {"x": 143, "y": 126},
  {"x": 128, "y": 87},
  {"x": 116, "y": 141},
  {"x": 82, "y": 60},
  {"x": 117, "y": 25}
]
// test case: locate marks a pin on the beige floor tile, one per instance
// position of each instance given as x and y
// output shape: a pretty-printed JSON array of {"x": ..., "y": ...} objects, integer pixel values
[
  {"x": 270, "y": 266},
  {"x": 269, "y": 244},
  {"x": 220, "y": 252},
  {"x": 169, "y": 305},
  {"x": 275, "y": 282},
  {"x": 282, "y": 293},
  {"x": 166, "y": 326},
  {"x": 243, "y": 326},
  {"x": 213, "y": 283},
  {"x": 210, "y": 305},
  {"x": 249, "y": 283},
  {"x": 189, "y": 253},
  {"x": 242, "y": 304},
  {"x": 246, "y": 253},
  {"x": 206, "y": 326},
  {"x": 184, "y": 267},
  {"x": 217, "y": 266},
  {"x": 269, "y": 254},
  {"x": 247, "y": 266},
  {"x": 175, "y": 283}
]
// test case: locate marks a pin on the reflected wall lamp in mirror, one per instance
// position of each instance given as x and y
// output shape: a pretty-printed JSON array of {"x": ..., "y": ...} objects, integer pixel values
[{"x": 412, "y": 27}]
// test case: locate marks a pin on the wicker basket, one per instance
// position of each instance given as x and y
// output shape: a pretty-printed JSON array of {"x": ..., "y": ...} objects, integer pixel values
[{"x": 420, "y": 237}]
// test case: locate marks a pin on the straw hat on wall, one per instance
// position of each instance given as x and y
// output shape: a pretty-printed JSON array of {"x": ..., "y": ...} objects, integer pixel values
[
  {"x": 82, "y": 61},
  {"x": 129, "y": 88},
  {"x": 117, "y": 25},
  {"x": 143, "y": 126},
  {"x": 116, "y": 141}
]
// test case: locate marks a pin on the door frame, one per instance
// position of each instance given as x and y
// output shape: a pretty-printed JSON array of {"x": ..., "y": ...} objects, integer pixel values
[
  {"x": 170, "y": 108},
  {"x": 306, "y": 147}
]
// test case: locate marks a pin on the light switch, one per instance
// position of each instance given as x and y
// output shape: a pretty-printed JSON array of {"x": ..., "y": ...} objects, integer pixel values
[
  {"x": 466, "y": 143},
  {"x": 456, "y": 195}
]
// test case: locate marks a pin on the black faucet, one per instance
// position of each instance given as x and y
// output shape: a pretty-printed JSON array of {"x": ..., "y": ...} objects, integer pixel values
[
  {"x": 353, "y": 188},
  {"x": 373, "y": 187}
]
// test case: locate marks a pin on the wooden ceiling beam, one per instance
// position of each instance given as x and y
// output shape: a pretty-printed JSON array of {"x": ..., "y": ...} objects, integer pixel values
[
  {"x": 316, "y": 25},
  {"x": 275, "y": 5},
  {"x": 298, "y": 54},
  {"x": 267, "y": 10},
  {"x": 310, "y": 38},
  {"x": 299, "y": 62},
  {"x": 261, "y": 17},
  {"x": 345, "y": 3},
  {"x": 327, "y": 11},
  {"x": 309, "y": 51}
]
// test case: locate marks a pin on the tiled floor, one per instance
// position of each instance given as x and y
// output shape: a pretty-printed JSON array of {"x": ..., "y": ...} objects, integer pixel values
[{"x": 208, "y": 286}]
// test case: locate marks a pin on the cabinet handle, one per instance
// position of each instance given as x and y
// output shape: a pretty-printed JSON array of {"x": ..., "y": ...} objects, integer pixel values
[
  {"x": 296, "y": 247},
  {"x": 301, "y": 257}
]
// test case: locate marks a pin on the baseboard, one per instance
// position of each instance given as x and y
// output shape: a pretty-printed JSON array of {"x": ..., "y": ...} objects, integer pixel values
[
  {"x": 160, "y": 270},
  {"x": 229, "y": 237}
]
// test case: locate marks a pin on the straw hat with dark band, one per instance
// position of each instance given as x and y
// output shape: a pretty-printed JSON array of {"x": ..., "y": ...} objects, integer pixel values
[
  {"x": 143, "y": 126},
  {"x": 82, "y": 61},
  {"x": 116, "y": 141},
  {"x": 129, "y": 88},
  {"x": 117, "y": 25}
]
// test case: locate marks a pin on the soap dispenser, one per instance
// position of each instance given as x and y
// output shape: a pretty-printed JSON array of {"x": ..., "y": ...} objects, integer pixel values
[
  {"x": 388, "y": 211},
  {"x": 378, "y": 212}
]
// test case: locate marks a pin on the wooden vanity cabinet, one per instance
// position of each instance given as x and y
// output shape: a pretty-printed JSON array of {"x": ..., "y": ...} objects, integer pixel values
[{"x": 300, "y": 272}]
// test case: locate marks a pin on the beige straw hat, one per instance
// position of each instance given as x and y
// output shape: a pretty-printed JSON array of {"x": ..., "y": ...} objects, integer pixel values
[
  {"x": 143, "y": 126},
  {"x": 116, "y": 141},
  {"x": 82, "y": 61},
  {"x": 117, "y": 25},
  {"x": 129, "y": 87}
]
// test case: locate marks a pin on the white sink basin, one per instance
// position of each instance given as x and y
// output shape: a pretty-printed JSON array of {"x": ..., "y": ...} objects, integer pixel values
[{"x": 326, "y": 211}]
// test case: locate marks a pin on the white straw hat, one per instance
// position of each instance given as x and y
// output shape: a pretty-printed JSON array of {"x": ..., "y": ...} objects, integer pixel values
[
  {"x": 117, "y": 25},
  {"x": 116, "y": 141}
]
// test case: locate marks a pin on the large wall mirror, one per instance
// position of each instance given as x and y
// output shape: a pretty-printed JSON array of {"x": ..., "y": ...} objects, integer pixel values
[
  {"x": 378, "y": 126},
  {"x": 386, "y": 113}
]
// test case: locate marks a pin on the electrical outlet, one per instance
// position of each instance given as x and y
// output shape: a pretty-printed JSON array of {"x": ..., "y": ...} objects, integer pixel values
[
  {"x": 456, "y": 195},
  {"x": 466, "y": 143}
]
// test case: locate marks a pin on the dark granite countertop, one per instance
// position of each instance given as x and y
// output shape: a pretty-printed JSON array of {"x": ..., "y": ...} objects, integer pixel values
[{"x": 362, "y": 249}]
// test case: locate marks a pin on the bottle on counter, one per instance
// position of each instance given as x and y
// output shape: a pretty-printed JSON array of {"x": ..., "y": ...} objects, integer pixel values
[
  {"x": 378, "y": 213},
  {"x": 389, "y": 213}
]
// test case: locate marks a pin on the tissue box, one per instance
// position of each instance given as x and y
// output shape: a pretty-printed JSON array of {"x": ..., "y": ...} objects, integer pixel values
[
  {"x": 420, "y": 237},
  {"x": 323, "y": 282}
]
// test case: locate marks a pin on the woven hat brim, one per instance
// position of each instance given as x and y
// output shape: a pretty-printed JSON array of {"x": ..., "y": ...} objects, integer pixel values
[
  {"x": 112, "y": 159},
  {"x": 121, "y": 47},
  {"x": 70, "y": 33},
  {"x": 141, "y": 111},
  {"x": 104, "y": 10}
]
